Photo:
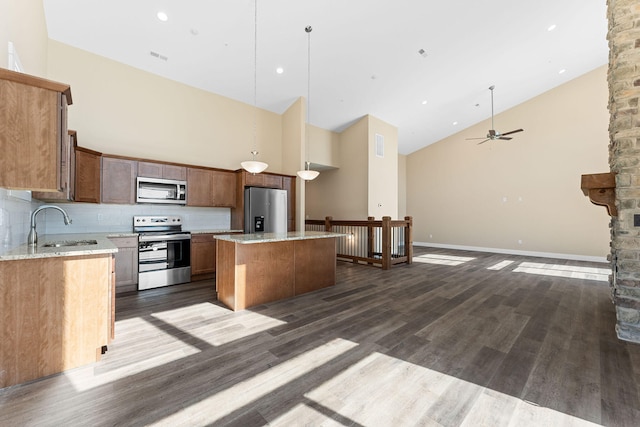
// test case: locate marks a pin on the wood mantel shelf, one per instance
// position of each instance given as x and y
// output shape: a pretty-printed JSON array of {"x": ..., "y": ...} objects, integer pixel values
[{"x": 600, "y": 188}]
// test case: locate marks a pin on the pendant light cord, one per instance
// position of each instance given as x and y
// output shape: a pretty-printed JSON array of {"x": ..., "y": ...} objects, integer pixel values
[
  {"x": 308, "y": 29},
  {"x": 255, "y": 77}
]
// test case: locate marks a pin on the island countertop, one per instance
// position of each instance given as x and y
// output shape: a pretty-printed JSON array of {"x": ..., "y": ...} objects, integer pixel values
[{"x": 277, "y": 237}]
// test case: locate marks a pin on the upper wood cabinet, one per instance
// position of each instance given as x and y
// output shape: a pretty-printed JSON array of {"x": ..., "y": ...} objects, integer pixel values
[
  {"x": 81, "y": 175},
  {"x": 162, "y": 170},
  {"x": 289, "y": 184},
  {"x": 67, "y": 173},
  {"x": 224, "y": 189},
  {"x": 119, "y": 180},
  {"x": 87, "y": 175},
  {"x": 33, "y": 130},
  {"x": 210, "y": 188}
]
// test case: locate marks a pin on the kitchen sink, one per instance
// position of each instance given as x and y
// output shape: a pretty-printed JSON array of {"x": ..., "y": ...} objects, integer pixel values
[{"x": 65, "y": 243}]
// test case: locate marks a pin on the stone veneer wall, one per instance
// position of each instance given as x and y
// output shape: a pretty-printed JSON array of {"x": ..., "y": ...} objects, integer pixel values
[{"x": 624, "y": 160}]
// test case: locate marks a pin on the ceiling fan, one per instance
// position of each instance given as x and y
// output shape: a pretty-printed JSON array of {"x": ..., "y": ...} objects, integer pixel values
[{"x": 494, "y": 134}]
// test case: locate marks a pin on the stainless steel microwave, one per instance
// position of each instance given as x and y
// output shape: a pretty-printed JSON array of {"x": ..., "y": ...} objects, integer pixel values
[{"x": 158, "y": 190}]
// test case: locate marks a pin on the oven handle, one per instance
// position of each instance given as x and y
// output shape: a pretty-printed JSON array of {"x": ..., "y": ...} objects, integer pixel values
[{"x": 156, "y": 237}]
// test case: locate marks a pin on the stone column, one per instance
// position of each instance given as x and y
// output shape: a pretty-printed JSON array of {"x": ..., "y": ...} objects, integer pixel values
[{"x": 624, "y": 160}]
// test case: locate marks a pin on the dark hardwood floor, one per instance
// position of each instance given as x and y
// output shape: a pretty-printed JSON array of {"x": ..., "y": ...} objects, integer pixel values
[{"x": 443, "y": 342}]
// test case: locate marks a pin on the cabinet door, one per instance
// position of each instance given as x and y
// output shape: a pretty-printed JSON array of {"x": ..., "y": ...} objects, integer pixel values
[
  {"x": 87, "y": 176},
  {"x": 203, "y": 254},
  {"x": 174, "y": 172},
  {"x": 32, "y": 122},
  {"x": 162, "y": 170},
  {"x": 289, "y": 184},
  {"x": 254, "y": 180},
  {"x": 126, "y": 263},
  {"x": 119, "y": 180},
  {"x": 67, "y": 166},
  {"x": 272, "y": 181},
  {"x": 224, "y": 189},
  {"x": 150, "y": 170},
  {"x": 199, "y": 187}
]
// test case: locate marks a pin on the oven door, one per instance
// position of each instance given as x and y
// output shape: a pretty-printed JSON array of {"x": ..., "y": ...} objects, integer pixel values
[{"x": 164, "y": 259}]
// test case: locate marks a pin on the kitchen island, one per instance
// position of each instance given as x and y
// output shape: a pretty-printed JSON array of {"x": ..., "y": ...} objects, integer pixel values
[{"x": 253, "y": 269}]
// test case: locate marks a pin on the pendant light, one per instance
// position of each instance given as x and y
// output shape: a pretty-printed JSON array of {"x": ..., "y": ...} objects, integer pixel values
[
  {"x": 308, "y": 174},
  {"x": 254, "y": 166}
]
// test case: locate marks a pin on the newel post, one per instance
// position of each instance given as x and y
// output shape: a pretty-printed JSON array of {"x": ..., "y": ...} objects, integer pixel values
[
  {"x": 327, "y": 223},
  {"x": 370, "y": 220},
  {"x": 408, "y": 239},
  {"x": 386, "y": 242}
]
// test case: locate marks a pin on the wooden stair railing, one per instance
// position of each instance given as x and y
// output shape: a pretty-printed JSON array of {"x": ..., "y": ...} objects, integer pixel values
[{"x": 385, "y": 243}]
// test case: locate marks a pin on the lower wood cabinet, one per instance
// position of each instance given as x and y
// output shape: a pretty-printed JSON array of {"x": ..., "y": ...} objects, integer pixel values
[
  {"x": 57, "y": 315},
  {"x": 126, "y": 260},
  {"x": 203, "y": 256}
]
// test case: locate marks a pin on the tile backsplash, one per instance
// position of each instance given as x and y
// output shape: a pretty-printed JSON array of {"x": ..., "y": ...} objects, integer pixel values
[
  {"x": 91, "y": 218},
  {"x": 15, "y": 216}
]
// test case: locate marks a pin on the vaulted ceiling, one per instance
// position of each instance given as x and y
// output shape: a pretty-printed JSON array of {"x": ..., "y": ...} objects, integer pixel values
[{"x": 419, "y": 65}]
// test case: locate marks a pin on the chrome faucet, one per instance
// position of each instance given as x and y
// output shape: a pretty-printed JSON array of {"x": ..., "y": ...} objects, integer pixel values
[{"x": 32, "y": 240}]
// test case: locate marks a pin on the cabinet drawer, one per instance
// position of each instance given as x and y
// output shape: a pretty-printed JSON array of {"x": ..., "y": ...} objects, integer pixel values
[{"x": 202, "y": 238}]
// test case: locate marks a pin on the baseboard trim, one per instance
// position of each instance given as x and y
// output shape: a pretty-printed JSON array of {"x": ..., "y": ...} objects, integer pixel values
[{"x": 572, "y": 257}]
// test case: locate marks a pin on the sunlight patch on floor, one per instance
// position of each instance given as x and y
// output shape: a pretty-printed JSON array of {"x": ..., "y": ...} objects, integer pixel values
[
  {"x": 441, "y": 259},
  {"x": 237, "y": 326},
  {"x": 500, "y": 265},
  {"x": 570, "y": 271},
  {"x": 82, "y": 382},
  {"x": 408, "y": 394},
  {"x": 242, "y": 394}
]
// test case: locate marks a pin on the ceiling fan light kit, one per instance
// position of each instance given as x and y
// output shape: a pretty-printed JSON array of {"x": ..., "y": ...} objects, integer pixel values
[{"x": 493, "y": 134}]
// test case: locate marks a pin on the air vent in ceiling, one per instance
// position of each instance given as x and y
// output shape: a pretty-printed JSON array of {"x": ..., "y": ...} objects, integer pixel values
[{"x": 157, "y": 55}]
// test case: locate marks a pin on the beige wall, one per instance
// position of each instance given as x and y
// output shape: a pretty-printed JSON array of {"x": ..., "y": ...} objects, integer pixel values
[
  {"x": 22, "y": 23},
  {"x": 122, "y": 110},
  {"x": 402, "y": 186},
  {"x": 293, "y": 152},
  {"x": 499, "y": 193},
  {"x": 382, "y": 171},
  {"x": 342, "y": 193},
  {"x": 324, "y": 147}
]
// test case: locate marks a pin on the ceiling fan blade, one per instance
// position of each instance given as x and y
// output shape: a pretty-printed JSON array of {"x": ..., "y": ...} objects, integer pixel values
[
  {"x": 505, "y": 138},
  {"x": 513, "y": 131},
  {"x": 482, "y": 142}
]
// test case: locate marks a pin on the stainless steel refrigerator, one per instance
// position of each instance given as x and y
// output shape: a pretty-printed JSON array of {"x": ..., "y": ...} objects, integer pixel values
[{"x": 265, "y": 210}]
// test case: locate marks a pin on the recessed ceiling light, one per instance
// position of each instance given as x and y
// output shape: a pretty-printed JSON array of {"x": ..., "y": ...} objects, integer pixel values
[
  {"x": 455, "y": 123},
  {"x": 162, "y": 16},
  {"x": 279, "y": 70},
  {"x": 424, "y": 102},
  {"x": 562, "y": 71},
  {"x": 551, "y": 27}
]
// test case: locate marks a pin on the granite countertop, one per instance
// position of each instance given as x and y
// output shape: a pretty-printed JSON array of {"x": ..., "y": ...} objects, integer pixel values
[
  {"x": 214, "y": 231},
  {"x": 277, "y": 237},
  {"x": 102, "y": 246}
]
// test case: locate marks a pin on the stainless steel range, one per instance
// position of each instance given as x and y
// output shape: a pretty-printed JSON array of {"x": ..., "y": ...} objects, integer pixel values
[{"x": 164, "y": 251}]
